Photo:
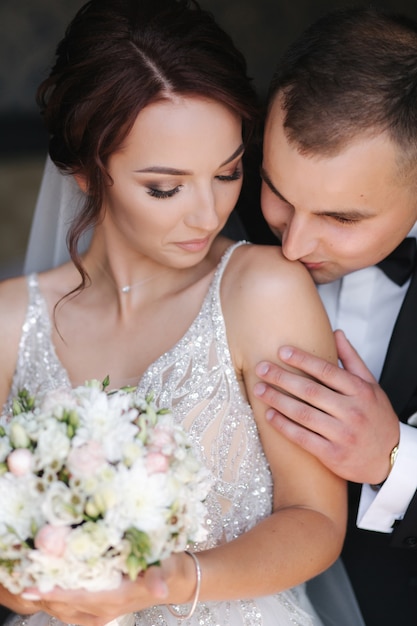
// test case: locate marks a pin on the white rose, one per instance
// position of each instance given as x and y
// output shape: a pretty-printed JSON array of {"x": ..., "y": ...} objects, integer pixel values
[
  {"x": 61, "y": 506},
  {"x": 91, "y": 540}
]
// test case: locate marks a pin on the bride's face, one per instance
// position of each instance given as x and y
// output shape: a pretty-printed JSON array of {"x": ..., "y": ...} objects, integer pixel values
[{"x": 177, "y": 177}]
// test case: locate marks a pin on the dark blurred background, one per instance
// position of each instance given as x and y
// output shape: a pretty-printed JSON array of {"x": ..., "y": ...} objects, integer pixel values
[{"x": 29, "y": 31}]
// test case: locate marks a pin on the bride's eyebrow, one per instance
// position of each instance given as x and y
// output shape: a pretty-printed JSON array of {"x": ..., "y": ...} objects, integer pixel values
[
  {"x": 172, "y": 171},
  {"x": 238, "y": 152},
  {"x": 161, "y": 169}
]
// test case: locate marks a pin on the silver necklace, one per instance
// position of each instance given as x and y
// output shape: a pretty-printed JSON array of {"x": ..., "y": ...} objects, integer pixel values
[{"x": 128, "y": 288}]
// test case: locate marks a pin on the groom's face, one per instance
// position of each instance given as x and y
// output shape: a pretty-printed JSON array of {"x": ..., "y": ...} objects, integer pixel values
[{"x": 335, "y": 214}]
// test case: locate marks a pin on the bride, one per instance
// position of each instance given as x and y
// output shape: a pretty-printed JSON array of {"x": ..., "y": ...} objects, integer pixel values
[{"x": 149, "y": 110}]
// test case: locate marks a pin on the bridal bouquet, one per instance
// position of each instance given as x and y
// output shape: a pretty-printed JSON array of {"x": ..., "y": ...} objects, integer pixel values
[{"x": 94, "y": 485}]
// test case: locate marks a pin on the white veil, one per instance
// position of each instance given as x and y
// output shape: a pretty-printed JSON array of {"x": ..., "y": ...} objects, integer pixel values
[{"x": 59, "y": 200}]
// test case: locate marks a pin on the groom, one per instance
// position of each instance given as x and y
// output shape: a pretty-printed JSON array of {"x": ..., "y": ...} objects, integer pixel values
[{"x": 340, "y": 191}]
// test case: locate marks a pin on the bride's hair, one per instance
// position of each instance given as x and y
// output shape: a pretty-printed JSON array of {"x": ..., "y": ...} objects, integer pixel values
[{"x": 117, "y": 57}]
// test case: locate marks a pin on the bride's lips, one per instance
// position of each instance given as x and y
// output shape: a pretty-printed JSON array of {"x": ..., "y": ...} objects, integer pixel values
[{"x": 194, "y": 245}]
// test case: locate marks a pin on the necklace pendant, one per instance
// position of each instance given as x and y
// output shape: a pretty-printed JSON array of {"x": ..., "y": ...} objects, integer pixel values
[{"x": 126, "y": 289}]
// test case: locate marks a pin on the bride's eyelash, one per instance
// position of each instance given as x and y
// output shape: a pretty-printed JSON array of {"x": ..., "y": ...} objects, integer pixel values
[
  {"x": 169, "y": 193},
  {"x": 235, "y": 176},
  {"x": 161, "y": 194}
]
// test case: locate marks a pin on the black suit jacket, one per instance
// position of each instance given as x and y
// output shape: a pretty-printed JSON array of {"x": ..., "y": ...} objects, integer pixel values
[
  {"x": 399, "y": 381},
  {"x": 383, "y": 567}
]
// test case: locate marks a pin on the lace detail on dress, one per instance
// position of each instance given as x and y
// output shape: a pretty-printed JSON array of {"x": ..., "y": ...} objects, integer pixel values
[{"x": 197, "y": 380}]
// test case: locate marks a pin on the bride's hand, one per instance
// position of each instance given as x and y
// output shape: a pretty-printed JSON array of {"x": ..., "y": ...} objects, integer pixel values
[
  {"x": 17, "y": 603},
  {"x": 98, "y": 608}
]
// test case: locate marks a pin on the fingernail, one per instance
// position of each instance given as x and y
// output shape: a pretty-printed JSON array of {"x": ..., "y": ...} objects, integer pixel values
[
  {"x": 259, "y": 389},
  {"x": 29, "y": 595},
  {"x": 285, "y": 352},
  {"x": 269, "y": 414},
  {"x": 262, "y": 369},
  {"x": 162, "y": 591}
]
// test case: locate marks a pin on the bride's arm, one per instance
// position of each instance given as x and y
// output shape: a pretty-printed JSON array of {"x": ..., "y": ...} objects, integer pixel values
[
  {"x": 13, "y": 305},
  {"x": 269, "y": 302}
]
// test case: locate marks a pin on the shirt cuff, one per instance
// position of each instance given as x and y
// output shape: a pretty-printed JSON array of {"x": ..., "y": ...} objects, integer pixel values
[{"x": 378, "y": 510}]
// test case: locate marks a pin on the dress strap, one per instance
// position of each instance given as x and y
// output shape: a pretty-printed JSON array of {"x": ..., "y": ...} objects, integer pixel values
[
  {"x": 33, "y": 288},
  {"x": 224, "y": 261}
]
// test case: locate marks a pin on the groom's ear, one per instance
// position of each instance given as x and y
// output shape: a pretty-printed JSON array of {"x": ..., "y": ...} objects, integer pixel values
[{"x": 81, "y": 182}]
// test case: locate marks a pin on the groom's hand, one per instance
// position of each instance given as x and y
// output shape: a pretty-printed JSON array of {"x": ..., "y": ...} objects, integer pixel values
[{"x": 341, "y": 416}]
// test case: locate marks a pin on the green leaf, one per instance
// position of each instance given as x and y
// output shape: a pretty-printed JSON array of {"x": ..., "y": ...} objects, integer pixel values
[
  {"x": 139, "y": 549},
  {"x": 23, "y": 403}
]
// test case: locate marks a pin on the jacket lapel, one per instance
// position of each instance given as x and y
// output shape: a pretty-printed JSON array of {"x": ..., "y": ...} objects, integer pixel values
[{"x": 399, "y": 373}]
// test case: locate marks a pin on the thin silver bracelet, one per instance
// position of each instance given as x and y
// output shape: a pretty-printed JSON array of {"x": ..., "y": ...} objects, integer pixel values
[{"x": 172, "y": 608}]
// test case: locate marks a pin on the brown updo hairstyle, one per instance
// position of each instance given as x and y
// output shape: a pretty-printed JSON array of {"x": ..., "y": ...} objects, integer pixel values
[{"x": 117, "y": 57}]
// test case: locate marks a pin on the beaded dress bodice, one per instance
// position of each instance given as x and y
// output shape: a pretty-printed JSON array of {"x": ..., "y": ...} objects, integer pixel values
[{"x": 197, "y": 380}]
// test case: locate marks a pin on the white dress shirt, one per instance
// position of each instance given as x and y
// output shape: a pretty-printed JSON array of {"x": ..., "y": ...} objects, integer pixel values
[{"x": 365, "y": 305}]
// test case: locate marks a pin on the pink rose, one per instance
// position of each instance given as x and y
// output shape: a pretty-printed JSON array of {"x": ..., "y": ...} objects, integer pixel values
[
  {"x": 20, "y": 461},
  {"x": 162, "y": 438},
  {"x": 52, "y": 539},
  {"x": 86, "y": 459},
  {"x": 156, "y": 462},
  {"x": 58, "y": 399}
]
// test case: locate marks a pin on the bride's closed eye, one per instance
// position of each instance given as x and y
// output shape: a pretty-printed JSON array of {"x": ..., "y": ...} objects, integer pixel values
[
  {"x": 163, "y": 193},
  {"x": 236, "y": 175}
]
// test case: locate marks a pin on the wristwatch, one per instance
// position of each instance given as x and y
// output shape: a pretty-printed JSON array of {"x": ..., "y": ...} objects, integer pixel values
[{"x": 392, "y": 458}]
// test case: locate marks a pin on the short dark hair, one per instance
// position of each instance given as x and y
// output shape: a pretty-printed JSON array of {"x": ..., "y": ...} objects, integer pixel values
[
  {"x": 351, "y": 73},
  {"x": 117, "y": 57}
]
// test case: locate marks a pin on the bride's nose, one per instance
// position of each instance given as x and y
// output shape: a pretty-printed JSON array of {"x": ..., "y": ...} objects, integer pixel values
[{"x": 203, "y": 213}]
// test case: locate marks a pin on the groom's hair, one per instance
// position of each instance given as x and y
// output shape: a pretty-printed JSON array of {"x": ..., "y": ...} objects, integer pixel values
[{"x": 352, "y": 73}]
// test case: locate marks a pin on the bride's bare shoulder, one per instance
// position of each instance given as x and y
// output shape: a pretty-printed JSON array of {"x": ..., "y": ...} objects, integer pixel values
[
  {"x": 265, "y": 269},
  {"x": 14, "y": 292},
  {"x": 13, "y": 298},
  {"x": 13, "y": 307}
]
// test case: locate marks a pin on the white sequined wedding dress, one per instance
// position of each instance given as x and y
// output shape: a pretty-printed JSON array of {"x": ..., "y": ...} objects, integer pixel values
[{"x": 196, "y": 378}]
